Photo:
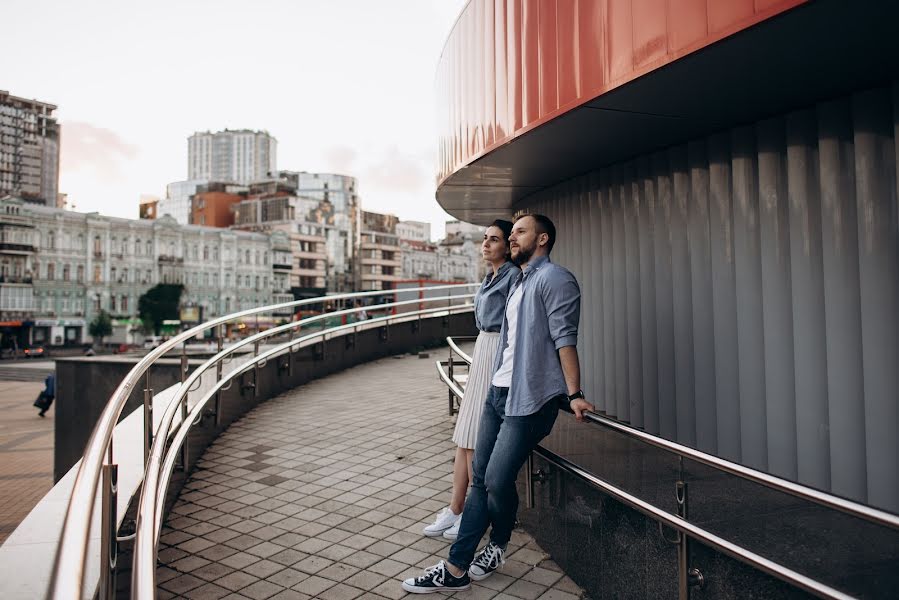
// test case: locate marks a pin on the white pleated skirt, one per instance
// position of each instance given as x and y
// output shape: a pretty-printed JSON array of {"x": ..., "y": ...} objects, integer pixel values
[{"x": 482, "y": 360}]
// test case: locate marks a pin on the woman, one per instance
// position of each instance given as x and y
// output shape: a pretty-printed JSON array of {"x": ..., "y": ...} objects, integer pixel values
[{"x": 489, "y": 305}]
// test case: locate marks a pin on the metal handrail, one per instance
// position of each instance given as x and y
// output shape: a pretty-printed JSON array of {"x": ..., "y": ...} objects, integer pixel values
[
  {"x": 698, "y": 533},
  {"x": 797, "y": 490},
  {"x": 159, "y": 467},
  {"x": 849, "y": 507},
  {"x": 279, "y": 350},
  {"x": 455, "y": 348},
  {"x": 70, "y": 560},
  {"x": 444, "y": 376}
]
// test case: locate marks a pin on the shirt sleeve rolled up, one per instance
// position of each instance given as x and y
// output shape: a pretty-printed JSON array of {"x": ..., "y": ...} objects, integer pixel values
[{"x": 562, "y": 299}]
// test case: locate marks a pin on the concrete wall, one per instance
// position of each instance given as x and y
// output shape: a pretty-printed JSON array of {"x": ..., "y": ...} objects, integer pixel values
[{"x": 84, "y": 386}]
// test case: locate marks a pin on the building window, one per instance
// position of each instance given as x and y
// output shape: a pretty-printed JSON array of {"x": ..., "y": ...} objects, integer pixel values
[
  {"x": 257, "y": 282},
  {"x": 97, "y": 305},
  {"x": 125, "y": 275},
  {"x": 65, "y": 272},
  {"x": 205, "y": 252},
  {"x": 98, "y": 276},
  {"x": 112, "y": 304},
  {"x": 98, "y": 246},
  {"x": 112, "y": 274},
  {"x": 80, "y": 273},
  {"x": 51, "y": 240},
  {"x": 125, "y": 304},
  {"x": 137, "y": 247},
  {"x": 51, "y": 271},
  {"x": 149, "y": 248}
]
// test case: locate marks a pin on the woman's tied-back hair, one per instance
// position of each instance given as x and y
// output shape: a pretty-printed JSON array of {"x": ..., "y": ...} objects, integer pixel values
[{"x": 506, "y": 228}]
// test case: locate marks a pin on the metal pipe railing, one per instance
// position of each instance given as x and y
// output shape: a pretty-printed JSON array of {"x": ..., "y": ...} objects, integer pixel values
[
  {"x": 685, "y": 527},
  {"x": 455, "y": 348},
  {"x": 843, "y": 505},
  {"x": 162, "y": 455},
  {"x": 71, "y": 555}
]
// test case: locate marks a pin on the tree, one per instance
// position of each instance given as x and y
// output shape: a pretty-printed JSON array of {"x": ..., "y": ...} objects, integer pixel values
[
  {"x": 161, "y": 302},
  {"x": 100, "y": 327}
]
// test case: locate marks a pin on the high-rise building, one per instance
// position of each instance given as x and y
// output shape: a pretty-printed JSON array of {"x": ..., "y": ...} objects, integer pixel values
[
  {"x": 29, "y": 149},
  {"x": 240, "y": 156},
  {"x": 331, "y": 200}
]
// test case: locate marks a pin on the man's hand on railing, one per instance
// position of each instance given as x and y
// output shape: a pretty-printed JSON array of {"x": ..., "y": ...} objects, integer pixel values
[{"x": 579, "y": 406}]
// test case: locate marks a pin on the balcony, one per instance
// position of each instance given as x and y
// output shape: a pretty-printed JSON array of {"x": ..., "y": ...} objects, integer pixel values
[
  {"x": 165, "y": 259},
  {"x": 16, "y": 279},
  {"x": 11, "y": 248}
]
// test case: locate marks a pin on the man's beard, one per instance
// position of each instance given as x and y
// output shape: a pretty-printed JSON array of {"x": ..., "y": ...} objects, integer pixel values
[{"x": 524, "y": 256}]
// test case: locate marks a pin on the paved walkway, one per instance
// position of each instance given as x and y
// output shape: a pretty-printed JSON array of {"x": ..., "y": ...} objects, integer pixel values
[
  {"x": 322, "y": 493},
  {"x": 26, "y": 453}
]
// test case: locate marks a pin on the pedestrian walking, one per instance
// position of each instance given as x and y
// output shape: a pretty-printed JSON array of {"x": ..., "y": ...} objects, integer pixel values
[{"x": 47, "y": 395}]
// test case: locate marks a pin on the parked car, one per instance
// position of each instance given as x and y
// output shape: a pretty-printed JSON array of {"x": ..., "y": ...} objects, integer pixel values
[
  {"x": 35, "y": 352},
  {"x": 152, "y": 342}
]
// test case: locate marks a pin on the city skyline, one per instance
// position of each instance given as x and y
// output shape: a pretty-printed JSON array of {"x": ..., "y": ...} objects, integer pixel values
[{"x": 129, "y": 97}]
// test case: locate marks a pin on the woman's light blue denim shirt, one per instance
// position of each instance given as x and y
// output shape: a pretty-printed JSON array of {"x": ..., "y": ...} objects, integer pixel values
[{"x": 490, "y": 301}]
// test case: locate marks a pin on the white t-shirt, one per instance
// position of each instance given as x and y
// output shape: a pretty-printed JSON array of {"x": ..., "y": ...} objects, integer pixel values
[{"x": 503, "y": 375}]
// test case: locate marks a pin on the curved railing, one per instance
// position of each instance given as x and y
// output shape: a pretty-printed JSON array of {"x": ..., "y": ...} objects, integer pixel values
[
  {"x": 72, "y": 553},
  {"x": 692, "y": 577}
]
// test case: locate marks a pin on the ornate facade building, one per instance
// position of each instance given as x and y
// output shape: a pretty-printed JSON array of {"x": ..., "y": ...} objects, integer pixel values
[{"x": 59, "y": 268}]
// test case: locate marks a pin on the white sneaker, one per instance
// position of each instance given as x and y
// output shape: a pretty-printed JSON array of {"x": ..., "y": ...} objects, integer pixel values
[
  {"x": 453, "y": 532},
  {"x": 445, "y": 520}
]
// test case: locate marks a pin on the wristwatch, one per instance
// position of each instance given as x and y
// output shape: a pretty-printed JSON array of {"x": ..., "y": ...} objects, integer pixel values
[{"x": 576, "y": 395}]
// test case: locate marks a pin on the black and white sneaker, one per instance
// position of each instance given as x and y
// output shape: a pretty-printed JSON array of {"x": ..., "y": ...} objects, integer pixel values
[
  {"x": 437, "y": 579},
  {"x": 485, "y": 562}
]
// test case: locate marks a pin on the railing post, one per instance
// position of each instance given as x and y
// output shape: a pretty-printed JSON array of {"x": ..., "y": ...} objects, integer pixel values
[
  {"x": 255, "y": 368},
  {"x": 218, "y": 376},
  {"x": 450, "y": 395},
  {"x": 108, "y": 531},
  {"x": 148, "y": 416},
  {"x": 185, "y": 447},
  {"x": 687, "y": 577},
  {"x": 529, "y": 481}
]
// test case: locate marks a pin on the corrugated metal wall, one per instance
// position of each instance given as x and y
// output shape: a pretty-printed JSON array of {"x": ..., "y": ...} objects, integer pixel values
[{"x": 741, "y": 293}]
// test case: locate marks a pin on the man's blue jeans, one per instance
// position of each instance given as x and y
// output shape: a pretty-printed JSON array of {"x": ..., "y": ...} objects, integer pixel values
[{"x": 503, "y": 445}]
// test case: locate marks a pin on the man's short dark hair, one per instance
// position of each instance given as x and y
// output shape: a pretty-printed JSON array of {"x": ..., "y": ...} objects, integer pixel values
[{"x": 544, "y": 225}]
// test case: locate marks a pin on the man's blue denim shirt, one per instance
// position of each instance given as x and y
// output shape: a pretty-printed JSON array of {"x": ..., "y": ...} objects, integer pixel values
[
  {"x": 490, "y": 301},
  {"x": 547, "y": 321}
]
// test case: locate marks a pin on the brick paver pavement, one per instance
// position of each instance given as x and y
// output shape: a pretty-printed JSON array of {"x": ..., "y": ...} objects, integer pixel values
[
  {"x": 322, "y": 493},
  {"x": 26, "y": 453}
]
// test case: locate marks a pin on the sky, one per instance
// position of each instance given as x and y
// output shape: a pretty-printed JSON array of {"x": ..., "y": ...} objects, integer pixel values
[{"x": 346, "y": 86}]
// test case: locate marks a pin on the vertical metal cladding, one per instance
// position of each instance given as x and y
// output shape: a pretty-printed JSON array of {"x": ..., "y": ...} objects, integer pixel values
[{"x": 741, "y": 293}]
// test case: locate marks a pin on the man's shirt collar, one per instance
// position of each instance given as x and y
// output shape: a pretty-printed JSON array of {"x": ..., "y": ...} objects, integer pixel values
[{"x": 534, "y": 265}]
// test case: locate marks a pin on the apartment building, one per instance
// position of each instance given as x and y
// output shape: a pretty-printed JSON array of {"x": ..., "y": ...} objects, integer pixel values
[
  {"x": 29, "y": 149},
  {"x": 59, "y": 268}
]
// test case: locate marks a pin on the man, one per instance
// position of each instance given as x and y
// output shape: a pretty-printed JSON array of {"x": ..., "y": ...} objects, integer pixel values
[{"x": 536, "y": 368}]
